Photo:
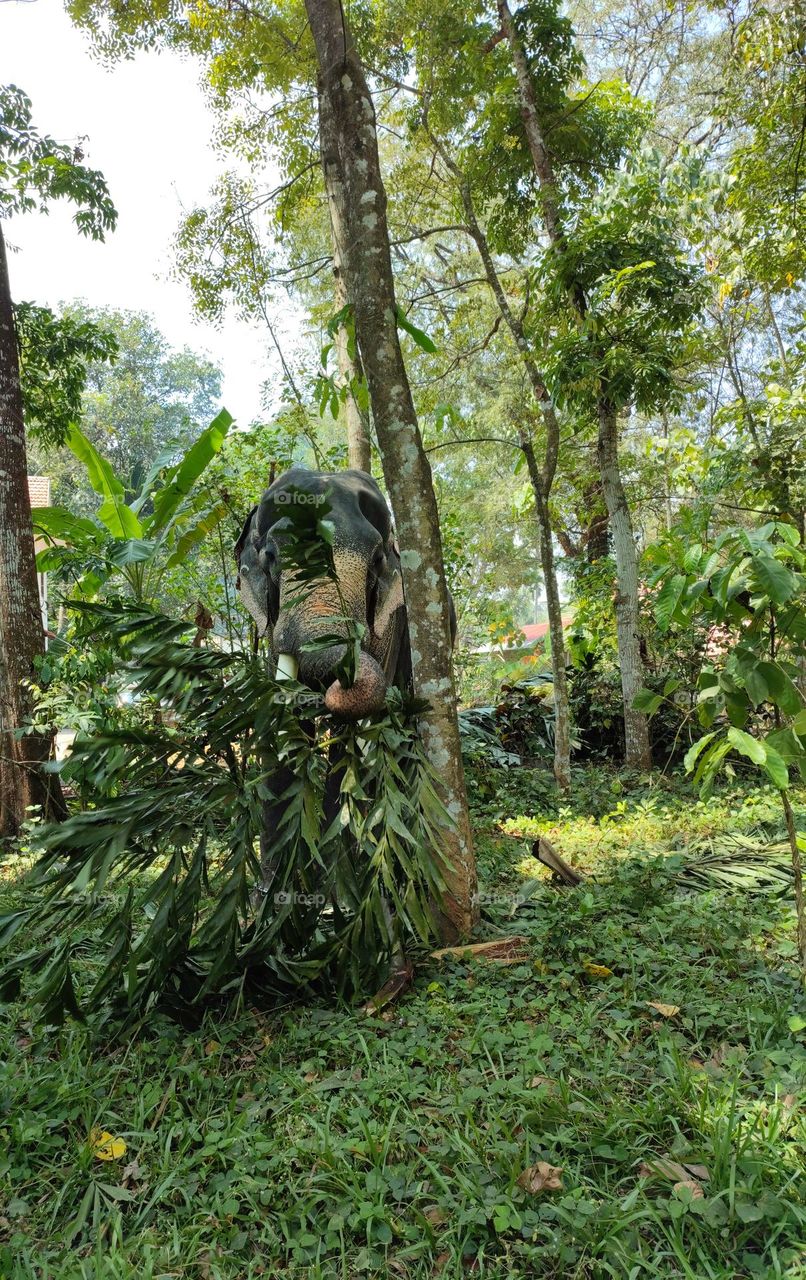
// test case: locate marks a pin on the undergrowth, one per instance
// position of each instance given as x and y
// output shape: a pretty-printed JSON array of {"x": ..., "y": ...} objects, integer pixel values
[{"x": 634, "y": 1030}]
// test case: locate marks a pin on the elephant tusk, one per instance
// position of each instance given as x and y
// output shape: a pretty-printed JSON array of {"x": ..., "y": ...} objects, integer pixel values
[{"x": 287, "y": 666}]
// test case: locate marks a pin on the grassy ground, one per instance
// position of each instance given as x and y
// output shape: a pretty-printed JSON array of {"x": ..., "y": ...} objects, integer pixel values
[{"x": 539, "y": 1116}]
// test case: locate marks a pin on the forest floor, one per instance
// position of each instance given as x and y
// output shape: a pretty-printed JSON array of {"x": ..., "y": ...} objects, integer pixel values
[{"x": 620, "y": 1095}]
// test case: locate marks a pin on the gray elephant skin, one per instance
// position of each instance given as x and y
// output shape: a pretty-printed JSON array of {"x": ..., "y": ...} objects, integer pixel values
[{"x": 367, "y": 566}]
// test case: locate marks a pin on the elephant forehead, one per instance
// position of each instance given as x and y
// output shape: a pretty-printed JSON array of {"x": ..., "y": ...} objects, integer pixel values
[
  {"x": 356, "y": 503},
  {"x": 324, "y": 597}
]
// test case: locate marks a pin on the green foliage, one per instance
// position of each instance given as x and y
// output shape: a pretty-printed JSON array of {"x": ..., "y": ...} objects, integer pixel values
[
  {"x": 764, "y": 94},
  {"x": 185, "y": 927},
  {"x": 35, "y": 169},
  {"x": 322, "y": 1141},
  {"x": 642, "y": 293},
  {"x": 750, "y": 590},
  {"x": 481, "y": 740},
  {"x": 524, "y": 715},
  {"x": 140, "y": 539},
  {"x": 54, "y": 354},
  {"x": 151, "y": 403},
  {"x": 767, "y": 461}
]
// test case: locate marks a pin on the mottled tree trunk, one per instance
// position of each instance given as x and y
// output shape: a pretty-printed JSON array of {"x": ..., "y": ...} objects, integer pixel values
[
  {"x": 356, "y": 422},
  {"x": 358, "y": 211},
  {"x": 541, "y": 160},
  {"x": 562, "y": 717},
  {"x": 636, "y": 729},
  {"x": 637, "y": 753},
  {"x": 21, "y": 634},
  {"x": 597, "y": 533}
]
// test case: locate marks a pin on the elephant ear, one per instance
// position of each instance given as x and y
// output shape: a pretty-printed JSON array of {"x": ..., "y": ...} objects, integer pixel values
[
  {"x": 258, "y": 593},
  {"x": 241, "y": 543}
]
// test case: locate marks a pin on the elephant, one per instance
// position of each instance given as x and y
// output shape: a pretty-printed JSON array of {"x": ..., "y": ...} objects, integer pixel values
[
  {"x": 367, "y": 563},
  {"x": 368, "y": 570}
]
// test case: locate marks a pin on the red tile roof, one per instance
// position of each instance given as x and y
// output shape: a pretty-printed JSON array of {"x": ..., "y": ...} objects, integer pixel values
[{"x": 537, "y": 630}]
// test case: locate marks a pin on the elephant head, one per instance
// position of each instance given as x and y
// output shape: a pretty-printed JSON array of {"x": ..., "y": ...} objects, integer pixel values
[{"x": 370, "y": 587}]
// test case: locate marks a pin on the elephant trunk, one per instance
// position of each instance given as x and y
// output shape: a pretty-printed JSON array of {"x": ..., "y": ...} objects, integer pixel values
[{"x": 365, "y": 695}]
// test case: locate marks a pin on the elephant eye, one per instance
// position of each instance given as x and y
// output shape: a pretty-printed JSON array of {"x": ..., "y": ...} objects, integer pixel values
[{"x": 268, "y": 560}]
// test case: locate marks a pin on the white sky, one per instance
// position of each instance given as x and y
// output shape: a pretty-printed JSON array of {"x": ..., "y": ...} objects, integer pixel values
[{"x": 148, "y": 131}]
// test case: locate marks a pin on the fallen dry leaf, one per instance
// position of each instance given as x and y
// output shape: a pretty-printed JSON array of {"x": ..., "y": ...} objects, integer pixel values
[
  {"x": 692, "y": 1185},
  {"x": 131, "y": 1174},
  {"x": 537, "y": 1082},
  {"x": 665, "y": 1167},
  {"x": 722, "y": 1055},
  {"x": 665, "y": 1010},
  {"x": 541, "y": 1177},
  {"x": 106, "y": 1147},
  {"x": 597, "y": 970},
  {"x": 205, "y": 1260},
  {"x": 434, "y": 1215}
]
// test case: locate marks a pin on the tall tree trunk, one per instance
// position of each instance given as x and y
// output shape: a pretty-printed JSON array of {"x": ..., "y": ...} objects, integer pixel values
[
  {"x": 597, "y": 541},
  {"x": 533, "y": 128},
  {"x": 357, "y": 199},
  {"x": 22, "y": 782},
  {"x": 562, "y": 718},
  {"x": 356, "y": 422},
  {"x": 637, "y": 752},
  {"x": 636, "y": 728},
  {"x": 541, "y": 479}
]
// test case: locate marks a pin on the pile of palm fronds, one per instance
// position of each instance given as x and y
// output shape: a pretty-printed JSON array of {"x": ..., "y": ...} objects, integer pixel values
[
  {"x": 734, "y": 861},
  {"x": 156, "y": 888}
]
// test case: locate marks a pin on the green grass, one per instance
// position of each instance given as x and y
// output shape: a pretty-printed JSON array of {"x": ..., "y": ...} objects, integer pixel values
[{"x": 317, "y": 1142}]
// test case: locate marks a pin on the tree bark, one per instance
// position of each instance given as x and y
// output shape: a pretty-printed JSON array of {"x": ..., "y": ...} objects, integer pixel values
[
  {"x": 597, "y": 534},
  {"x": 636, "y": 729},
  {"x": 562, "y": 717},
  {"x": 541, "y": 480},
  {"x": 637, "y": 752},
  {"x": 356, "y": 423},
  {"x": 22, "y": 640},
  {"x": 541, "y": 160},
  {"x": 357, "y": 200}
]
